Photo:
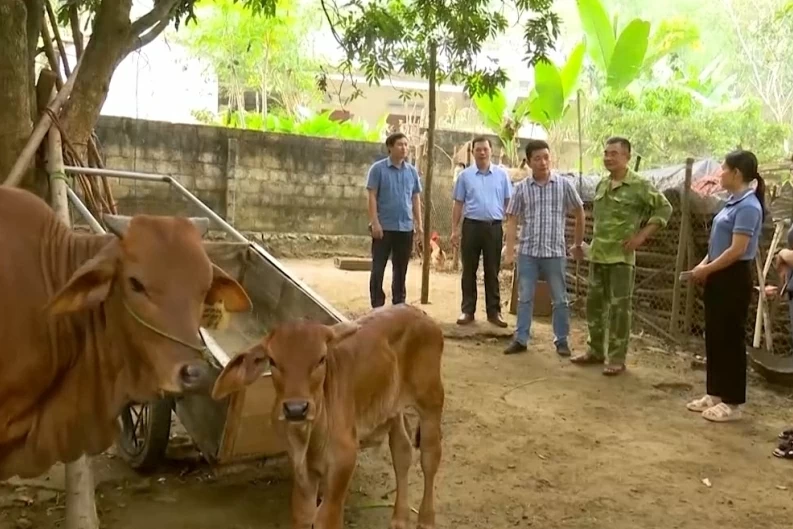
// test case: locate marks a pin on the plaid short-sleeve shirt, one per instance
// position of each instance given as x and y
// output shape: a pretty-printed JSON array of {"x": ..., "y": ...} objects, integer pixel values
[{"x": 541, "y": 210}]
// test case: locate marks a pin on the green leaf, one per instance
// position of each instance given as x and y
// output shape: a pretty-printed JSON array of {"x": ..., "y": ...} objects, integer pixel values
[
  {"x": 550, "y": 92},
  {"x": 492, "y": 109},
  {"x": 598, "y": 30},
  {"x": 672, "y": 35},
  {"x": 629, "y": 53},
  {"x": 571, "y": 71}
]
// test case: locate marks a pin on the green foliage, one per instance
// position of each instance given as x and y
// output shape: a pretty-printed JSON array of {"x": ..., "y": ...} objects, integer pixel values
[
  {"x": 389, "y": 36},
  {"x": 249, "y": 51},
  {"x": 622, "y": 58},
  {"x": 668, "y": 124},
  {"x": 318, "y": 125}
]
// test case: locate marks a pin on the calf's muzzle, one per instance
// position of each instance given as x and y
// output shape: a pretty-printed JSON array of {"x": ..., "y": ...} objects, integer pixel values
[{"x": 295, "y": 410}]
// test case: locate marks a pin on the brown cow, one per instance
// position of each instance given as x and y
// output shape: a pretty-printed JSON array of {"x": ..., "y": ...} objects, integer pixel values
[
  {"x": 344, "y": 386},
  {"x": 89, "y": 323}
]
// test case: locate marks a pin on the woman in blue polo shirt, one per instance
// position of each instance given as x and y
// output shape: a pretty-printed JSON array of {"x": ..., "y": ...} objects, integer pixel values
[{"x": 726, "y": 273}]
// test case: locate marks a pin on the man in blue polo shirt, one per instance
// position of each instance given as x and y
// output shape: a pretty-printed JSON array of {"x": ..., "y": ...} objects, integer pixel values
[
  {"x": 481, "y": 194},
  {"x": 394, "y": 217}
]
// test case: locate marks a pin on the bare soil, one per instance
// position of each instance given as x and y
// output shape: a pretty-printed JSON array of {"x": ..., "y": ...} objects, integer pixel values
[{"x": 529, "y": 440}]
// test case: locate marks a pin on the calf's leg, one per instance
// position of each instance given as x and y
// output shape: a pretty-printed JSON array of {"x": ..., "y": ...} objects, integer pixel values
[
  {"x": 430, "y": 446},
  {"x": 342, "y": 465},
  {"x": 401, "y": 457},
  {"x": 304, "y": 498}
]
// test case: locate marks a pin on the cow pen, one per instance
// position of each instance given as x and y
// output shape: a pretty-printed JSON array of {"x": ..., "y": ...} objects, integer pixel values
[{"x": 237, "y": 428}]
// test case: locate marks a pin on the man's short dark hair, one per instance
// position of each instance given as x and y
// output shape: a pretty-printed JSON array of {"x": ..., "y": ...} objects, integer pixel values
[
  {"x": 393, "y": 138},
  {"x": 535, "y": 145},
  {"x": 619, "y": 140},
  {"x": 480, "y": 139}
]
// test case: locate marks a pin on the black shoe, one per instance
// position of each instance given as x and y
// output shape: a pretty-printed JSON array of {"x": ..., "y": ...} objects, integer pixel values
[
  {"x": 563, "y": 350},
  {"x": 515, "y": 348},
  {"x": 497, "y": 320},
  {"x": 465, "y": 319}
]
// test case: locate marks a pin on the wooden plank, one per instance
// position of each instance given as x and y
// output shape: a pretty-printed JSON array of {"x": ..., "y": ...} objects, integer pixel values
[
  {"x": 356, "y": 264},
  {"x": 674, "y": 326}
]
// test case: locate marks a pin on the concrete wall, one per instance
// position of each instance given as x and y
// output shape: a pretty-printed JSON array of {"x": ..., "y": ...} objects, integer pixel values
[{"x": 288, "y": 190}]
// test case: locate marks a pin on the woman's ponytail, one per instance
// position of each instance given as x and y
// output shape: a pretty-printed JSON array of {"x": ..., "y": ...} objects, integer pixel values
[{"x": 759, "y": 192}]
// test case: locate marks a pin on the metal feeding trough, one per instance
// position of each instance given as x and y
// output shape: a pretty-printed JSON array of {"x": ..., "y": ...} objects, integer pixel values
[{"x": 774, "y": 368}]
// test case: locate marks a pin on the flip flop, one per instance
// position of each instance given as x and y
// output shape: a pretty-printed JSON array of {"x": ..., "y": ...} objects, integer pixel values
[
  {"x": 586, "y": 358},
  {"x": 784, "y": 450},
  {"x": 786, "y": 434},
  {"x": 612, "y": 371}
]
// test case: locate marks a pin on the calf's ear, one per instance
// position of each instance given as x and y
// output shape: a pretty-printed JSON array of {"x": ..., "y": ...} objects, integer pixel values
[
  {"x": 224, "y": 288},
  {"x": 90, "y": 284},
  {"x": 340, "y": 331},
  {"x": 241, "y": 371}
]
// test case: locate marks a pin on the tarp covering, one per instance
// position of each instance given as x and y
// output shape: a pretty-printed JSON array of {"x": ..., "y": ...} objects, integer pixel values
[{"x": 707, "y": 195}]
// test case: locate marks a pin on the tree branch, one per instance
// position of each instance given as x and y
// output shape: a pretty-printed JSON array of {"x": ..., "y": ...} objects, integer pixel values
[
  {"x": 140, "y": 41},
  {"x": 160, "y": 12}
]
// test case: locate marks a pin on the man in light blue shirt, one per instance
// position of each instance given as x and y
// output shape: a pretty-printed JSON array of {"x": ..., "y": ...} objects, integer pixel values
[
  {"x": 481, "y": 194},
  {"x": 394, "y": 206}
]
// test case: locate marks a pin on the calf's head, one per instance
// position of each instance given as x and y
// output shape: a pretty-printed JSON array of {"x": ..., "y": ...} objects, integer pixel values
[
  {"x": 298, "y": 356},
  {"x": 154, "y": 280}
]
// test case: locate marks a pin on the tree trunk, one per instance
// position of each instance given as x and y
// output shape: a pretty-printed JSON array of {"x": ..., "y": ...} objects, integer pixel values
[
  {"x": 106, "y": 48},
  {"x": 16, "y": 96},
  {"x": 426, "y": 249},
  {"x": 34, "y": 18}
]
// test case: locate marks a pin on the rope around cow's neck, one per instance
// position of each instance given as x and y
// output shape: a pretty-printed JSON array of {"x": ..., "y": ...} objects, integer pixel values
[{"x": 158, "y": 331}]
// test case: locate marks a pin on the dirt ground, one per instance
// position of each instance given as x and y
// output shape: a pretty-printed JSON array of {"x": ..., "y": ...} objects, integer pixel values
[{"x": 529, "y": 441}]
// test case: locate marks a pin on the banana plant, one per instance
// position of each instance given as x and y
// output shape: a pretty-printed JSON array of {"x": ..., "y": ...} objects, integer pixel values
[
  {"x": 622, "y": 57},
  {"x": 545, "y": 105}
]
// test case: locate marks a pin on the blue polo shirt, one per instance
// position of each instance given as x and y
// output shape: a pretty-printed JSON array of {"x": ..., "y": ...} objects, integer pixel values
[
  {"x": 483, "y": 193},
  {"x": 395, "y": 187},
  {"x": 741, "y": 214}
]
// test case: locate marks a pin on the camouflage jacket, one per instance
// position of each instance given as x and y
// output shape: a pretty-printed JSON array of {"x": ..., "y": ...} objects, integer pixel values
[{"x": 618, "y": 214}]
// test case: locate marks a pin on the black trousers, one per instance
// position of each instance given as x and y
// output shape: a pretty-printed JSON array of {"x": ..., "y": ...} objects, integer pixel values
[
  {"x": 480, "y": 238},
  {"x": 727, "y": 296},
  {"x": 397, "y": 245}
]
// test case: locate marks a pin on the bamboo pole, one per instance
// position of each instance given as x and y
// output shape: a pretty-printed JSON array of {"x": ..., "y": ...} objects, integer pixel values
[
  {"x": 762, "y": 272},
  {"x": 43, "y": 125},
  {"x": 80, "y": 489},
  {"x": 682, "y": 250}
]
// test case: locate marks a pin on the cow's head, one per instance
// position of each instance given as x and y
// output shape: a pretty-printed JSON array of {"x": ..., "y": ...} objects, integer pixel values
[
  {"x": 154, "y": 280},
  {"x": 298, "y": 355}
]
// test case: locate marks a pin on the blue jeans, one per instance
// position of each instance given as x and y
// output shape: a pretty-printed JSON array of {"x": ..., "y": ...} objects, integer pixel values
[{"x": 552, "y": 269}]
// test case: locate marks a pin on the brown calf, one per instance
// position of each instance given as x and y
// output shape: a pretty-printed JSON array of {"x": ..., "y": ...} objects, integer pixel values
[{"x": 344, "y": 386}]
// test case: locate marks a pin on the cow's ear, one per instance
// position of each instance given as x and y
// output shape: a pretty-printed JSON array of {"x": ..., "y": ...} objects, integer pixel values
[
  {"x": 241, "y": 371},
  {"x": 90, "y": 284},
  {"x": 224, "y": 288},
  {"x": 341, "y": 330}
]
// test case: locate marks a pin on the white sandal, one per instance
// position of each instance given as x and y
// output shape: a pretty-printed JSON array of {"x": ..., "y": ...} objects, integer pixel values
[
  {"x": 722, "y": 413},
  {"x": 702, "y": 404}
]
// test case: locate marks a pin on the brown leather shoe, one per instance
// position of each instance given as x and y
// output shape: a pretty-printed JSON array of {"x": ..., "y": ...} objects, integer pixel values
[
  {"x": 465, "y": 319},
  {"x": 496, "y": 320}
]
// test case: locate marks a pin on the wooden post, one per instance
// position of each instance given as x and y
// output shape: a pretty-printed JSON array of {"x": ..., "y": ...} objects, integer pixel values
[
  {"x": 682, "y": 249},
  {"x": 80, "y": 498},
  {"x": 426, "y": 249},
  {"x": 762, "y": 272}
]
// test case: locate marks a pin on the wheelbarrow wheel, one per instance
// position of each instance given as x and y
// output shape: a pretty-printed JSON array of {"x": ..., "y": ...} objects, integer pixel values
[{"x": 145, "y": 431}]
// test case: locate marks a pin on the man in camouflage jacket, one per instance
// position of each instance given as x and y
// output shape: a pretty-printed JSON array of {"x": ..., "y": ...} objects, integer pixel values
[{"x": 623, "y": 199}]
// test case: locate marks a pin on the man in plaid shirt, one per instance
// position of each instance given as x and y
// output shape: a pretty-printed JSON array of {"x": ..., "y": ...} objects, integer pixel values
[{"x": 540, "y": 203}]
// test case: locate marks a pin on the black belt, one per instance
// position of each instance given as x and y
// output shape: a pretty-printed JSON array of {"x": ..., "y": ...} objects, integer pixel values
[{"x": 486, "y": 222}]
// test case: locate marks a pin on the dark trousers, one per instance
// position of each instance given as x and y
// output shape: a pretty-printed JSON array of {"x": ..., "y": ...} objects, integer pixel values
[
  {"x": 397, "y": 245},
  {"x": 483, "y": 239},
  {"x": 727, "y": 296}
]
